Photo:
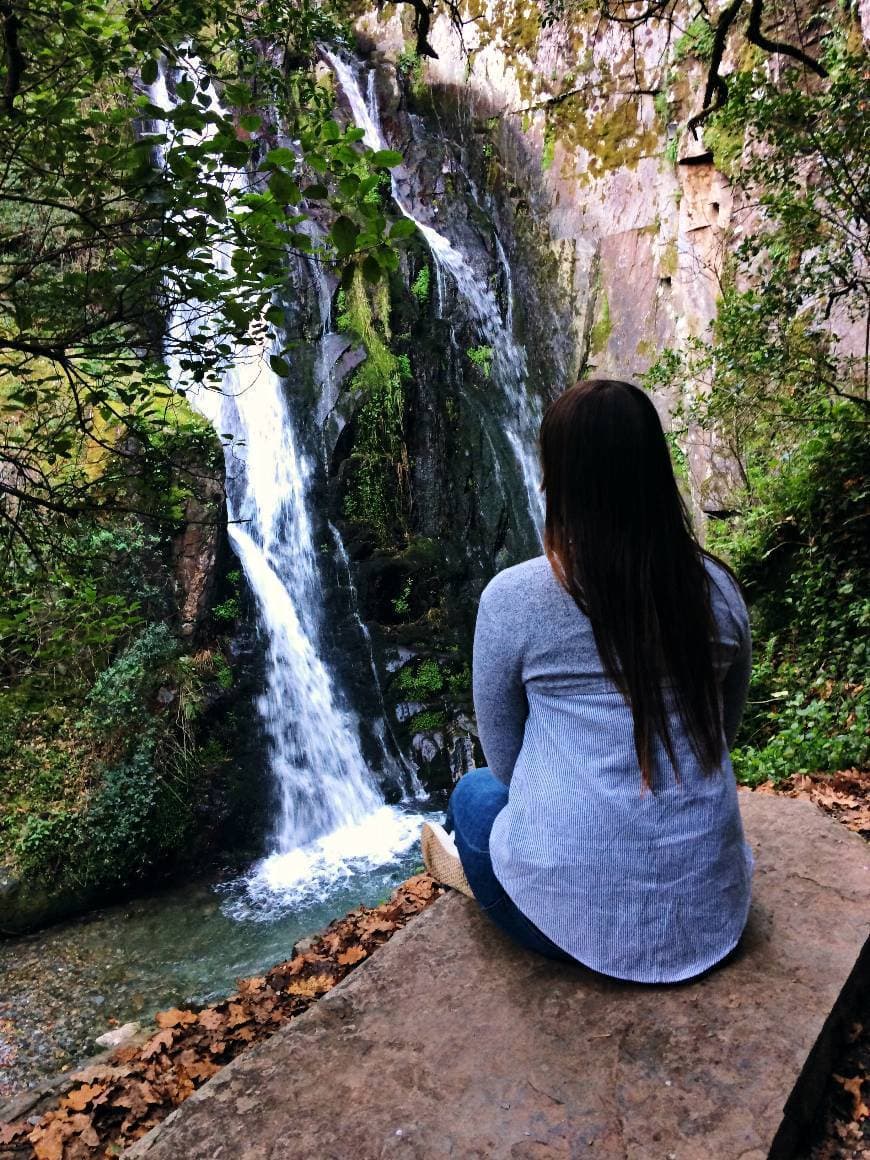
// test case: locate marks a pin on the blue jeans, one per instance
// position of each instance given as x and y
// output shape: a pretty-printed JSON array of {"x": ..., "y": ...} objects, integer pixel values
[{"x": 474, "y": 804}]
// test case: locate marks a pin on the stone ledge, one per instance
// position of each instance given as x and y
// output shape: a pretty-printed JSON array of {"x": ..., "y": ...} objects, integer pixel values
[{"x": 450, "y": 1042}]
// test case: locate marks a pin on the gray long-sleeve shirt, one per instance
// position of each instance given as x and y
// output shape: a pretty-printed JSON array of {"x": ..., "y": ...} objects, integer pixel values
[{"x": 651, "y": 886}]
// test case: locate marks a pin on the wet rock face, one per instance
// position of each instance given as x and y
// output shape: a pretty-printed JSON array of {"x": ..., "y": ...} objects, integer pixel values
[{"x": 616, "y": 226}]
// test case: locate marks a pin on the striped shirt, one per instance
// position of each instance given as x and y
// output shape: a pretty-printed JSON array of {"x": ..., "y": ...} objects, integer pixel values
[{"x": 649, "y": 886}]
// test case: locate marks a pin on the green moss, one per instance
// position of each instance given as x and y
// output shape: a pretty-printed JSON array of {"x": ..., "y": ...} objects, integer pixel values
[
  {"x": 377, "y": 487},
  {"x": 612, "y": 137},
  {"x": 668, "y": 261},
  {"x": 549, "y": 150},
  {"x": 696, "y": 41},
  {"x": 428, "y": 720},
  {"x": 421, "y": 680},
  {"x": 601, "y": 331},
  {"x": 402, "y": 603},
  {"x": 725, "y": 142},
  {"x": 482, "y": 357}
]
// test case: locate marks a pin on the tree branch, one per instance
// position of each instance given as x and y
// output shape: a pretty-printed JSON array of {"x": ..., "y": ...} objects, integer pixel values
[
  {"x": 15, "y": 61},
  {"x": 755, "y": 36}
]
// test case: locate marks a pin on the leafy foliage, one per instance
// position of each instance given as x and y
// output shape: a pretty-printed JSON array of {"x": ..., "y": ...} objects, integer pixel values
[
  {"x": 139, "y": 146},
  {"x": 420, "y": 285},
  {"x": 697, "y": 41},
  {"x": 801, "y": 552}
]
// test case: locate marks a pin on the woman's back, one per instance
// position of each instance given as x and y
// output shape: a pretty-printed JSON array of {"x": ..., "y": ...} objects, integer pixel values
[{"x": 649, "y": 884}]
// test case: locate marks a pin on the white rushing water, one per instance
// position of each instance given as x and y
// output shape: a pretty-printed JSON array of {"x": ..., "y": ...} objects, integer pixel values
[
  {"x": 522, "y": 411},
  {"x": 332, "y": 820}
]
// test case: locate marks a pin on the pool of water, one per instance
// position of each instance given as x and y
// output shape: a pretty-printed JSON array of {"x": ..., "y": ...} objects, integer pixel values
[{"x": 63, "y": 986}]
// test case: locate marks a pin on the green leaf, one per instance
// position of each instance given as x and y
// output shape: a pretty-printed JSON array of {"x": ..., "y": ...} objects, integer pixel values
[
  {"x": 330, "y": 131},
  {"x": 349, "y": 184},
  {"x": 215, "y": 204},
  {"x": 386, "y": 158},
  {"x": 282, "y": 156},
  {"x": 279, "y": 365},
  {"x": 371, "y": 269},
  {"x": 387, "y": 258},
  {"x": 284, "y": 188},
  {"x": 344, "y": 234},
  {"x": 403, "y": 228},
  {"x": 149, "y": 72},
  {"x": 316, "y": 193},
  {"x": 251, "y": 122}
]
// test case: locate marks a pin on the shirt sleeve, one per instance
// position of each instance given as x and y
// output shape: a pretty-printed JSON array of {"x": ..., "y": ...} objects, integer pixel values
[
  {"x": 499, "y": 693},
  {"x": 735, "y": 686}
]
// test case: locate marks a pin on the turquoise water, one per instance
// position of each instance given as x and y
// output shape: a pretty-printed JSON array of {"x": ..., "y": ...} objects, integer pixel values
[{"x": 63, "y": 986}]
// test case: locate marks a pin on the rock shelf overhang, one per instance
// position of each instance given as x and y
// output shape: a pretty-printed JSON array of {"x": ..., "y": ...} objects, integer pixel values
[{"x": 450, "y": 1042}]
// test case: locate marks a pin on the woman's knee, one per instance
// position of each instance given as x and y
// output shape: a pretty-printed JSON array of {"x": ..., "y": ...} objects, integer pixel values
[
  {"x": 477, "y": 799},
  {"x": 478, "y": 789}
]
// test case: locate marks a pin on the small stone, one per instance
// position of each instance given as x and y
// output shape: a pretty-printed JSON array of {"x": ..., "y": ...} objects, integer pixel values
[{"x": 118, "y": 1035}]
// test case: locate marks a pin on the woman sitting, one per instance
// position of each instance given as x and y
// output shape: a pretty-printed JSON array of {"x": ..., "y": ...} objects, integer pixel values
[{"x": 609, "y": 679}]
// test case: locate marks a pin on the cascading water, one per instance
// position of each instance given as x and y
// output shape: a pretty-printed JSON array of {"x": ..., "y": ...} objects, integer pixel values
[
  {"x": 522, "y": 410},
  {"x": 332, "y": 819}
]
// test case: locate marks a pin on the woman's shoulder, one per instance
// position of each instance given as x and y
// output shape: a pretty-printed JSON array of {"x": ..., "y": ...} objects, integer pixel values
[
  {"x": 518, "y": 584},
  {"x": 725, "y": 592}
]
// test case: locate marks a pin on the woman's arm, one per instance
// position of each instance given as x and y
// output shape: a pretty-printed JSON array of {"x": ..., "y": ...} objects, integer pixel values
[
  {"x": 736, "y": 684},
  {"x": 499, "y": 694}
]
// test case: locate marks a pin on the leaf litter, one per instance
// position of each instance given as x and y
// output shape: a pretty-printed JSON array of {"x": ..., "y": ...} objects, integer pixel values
[{"x": 118, "y": 1100}]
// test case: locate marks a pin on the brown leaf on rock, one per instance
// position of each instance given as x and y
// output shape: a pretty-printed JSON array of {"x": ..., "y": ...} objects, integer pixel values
[
  {"x": 311, "y": 988},
  {"x": 48, "y": 1141},
  {"x": 14, "y": 1133},
  {"x": 212, "y": 1018},
  {"x": 157, "y": 1043},
  {"x": 853, "y": 1086},
  {"x": 79, "y": 1098},
  {"x": 175, "y": 1017},
  {"x": 83, "y": 1126},
  {"x": 844, "y": 795},
  {"x": 352, "y": 955},
  {"x": 251, "y": 986},
  {"x": 138, "y": 1096}
]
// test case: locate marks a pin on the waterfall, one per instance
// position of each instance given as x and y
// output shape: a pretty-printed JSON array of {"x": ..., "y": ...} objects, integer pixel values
[
  {"x": 332, "y": 819},
  {"x": 522, "y": 411}
]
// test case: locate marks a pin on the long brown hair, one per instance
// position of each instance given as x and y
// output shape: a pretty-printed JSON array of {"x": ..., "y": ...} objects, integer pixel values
[{"x": 620, "y": 540}]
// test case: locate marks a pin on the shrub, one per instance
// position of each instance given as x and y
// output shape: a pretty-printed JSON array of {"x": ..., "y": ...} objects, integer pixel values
[{"x": 800, "y": 551}]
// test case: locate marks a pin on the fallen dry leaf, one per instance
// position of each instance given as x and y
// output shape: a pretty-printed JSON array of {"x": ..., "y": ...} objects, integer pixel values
[
  {"x": 119, "y": 1101},
  {"x": 175, "y": 1018},
  {"x": 351, "y": 955},
  {"x": 853, "y": 1086}
]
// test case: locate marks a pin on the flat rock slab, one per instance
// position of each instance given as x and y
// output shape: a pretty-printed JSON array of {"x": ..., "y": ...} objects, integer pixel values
[{"x": 450, "y": 1042}]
